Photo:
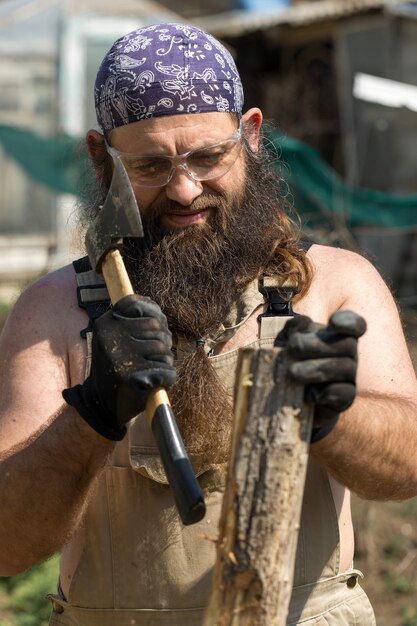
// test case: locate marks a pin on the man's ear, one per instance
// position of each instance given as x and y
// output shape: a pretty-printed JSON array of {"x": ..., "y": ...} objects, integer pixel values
[
  {"x": 96, "y": 148},
  {"x": 252, "y": 121}
]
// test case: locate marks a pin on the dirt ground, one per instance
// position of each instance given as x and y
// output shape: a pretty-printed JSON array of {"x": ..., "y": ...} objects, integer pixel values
[{"x": 386, "y": 552}]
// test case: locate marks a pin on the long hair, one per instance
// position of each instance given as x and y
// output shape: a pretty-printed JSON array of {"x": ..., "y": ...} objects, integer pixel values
[{"x": 288, "y": 259}]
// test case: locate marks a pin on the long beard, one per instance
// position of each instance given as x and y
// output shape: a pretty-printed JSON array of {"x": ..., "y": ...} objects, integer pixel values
[{"x": 196, "y": 275}]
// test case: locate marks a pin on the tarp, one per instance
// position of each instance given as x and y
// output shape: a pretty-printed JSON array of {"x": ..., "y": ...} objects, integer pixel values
[
  {"x": 51, "y": 161},
  {"x": 318, "y": 192}
]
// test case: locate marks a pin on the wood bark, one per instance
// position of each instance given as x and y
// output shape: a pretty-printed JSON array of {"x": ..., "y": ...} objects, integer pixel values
[{"x": 261, "y": 512}]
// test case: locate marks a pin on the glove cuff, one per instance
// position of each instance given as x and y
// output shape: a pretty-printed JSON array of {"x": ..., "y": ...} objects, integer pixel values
[
  {"x": 92, "y": 413},
  {"x": 320, "y": 432}
]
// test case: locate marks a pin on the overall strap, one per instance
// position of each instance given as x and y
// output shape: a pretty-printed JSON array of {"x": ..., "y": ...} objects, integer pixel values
[
  {"x": 92, "y": 294},
  {"x": 278, "y": 295}
]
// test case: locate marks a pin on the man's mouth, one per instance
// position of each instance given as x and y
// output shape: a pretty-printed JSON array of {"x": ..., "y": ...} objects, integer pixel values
[{"x": 185, "y": 218}]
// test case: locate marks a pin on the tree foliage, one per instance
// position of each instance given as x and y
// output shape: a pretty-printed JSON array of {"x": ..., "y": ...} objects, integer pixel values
[{"x": 22, "y": 597}]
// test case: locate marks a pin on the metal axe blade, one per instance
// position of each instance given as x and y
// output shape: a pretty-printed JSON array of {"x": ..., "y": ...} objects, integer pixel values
[{"x": 119, "y": 217}]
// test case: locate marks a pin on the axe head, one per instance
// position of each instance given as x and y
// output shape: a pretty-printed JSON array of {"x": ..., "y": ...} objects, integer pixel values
[{"x": 119, "y": 217}]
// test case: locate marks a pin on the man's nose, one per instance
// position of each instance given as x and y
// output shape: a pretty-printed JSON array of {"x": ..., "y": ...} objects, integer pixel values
[{"x": 182, "y": 188}]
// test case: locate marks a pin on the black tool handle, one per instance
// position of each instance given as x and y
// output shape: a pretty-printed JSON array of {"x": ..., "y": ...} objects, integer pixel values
[{"x": 185, "y": 487}]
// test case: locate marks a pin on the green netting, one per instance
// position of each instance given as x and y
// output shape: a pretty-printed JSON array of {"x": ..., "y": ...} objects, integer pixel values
[
  {"x": 53, "y": 162},
  {"x": 318, "y": 192}
]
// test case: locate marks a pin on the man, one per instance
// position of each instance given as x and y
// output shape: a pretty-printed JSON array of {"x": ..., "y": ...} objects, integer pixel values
[{"x": 82, "y": 474}]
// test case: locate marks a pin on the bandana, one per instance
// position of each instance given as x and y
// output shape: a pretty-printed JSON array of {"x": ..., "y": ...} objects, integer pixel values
[{"x": 165, "y": 69}]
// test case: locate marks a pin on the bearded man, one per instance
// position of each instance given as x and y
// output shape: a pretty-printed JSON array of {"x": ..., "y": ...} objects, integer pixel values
[{"x": 221, "y": 266}]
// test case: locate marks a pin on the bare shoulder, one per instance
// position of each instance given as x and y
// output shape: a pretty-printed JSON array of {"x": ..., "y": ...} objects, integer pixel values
[
  {"x": 343, "y": 279},
  {"x": 48, "y": 286},
  {"x": 46, "y": 309},
  {"x": 322, "y": 255},
  {"x": 41, "y": 353},
  {"x": 332, "y": 264}
]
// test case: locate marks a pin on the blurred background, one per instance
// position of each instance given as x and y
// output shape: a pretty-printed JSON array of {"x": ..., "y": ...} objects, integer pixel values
[{"x": 339, "y": 80}]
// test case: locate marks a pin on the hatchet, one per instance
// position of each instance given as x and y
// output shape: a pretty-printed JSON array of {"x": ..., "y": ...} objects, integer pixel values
[{"x": 118, "y": 218}]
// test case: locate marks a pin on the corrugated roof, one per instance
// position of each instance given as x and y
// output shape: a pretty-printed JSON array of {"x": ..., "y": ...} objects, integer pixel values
[
  {"x": 146, "y": 11},
  {"x": 404, "y": 9},
  {"x": 14, "y": 12},
  {"x": 235, "y": 23},
  {"x": 31, "y": 26}
]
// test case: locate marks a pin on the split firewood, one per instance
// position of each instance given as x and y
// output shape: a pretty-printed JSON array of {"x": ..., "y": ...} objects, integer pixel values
[{"x": 261, "y": 511}]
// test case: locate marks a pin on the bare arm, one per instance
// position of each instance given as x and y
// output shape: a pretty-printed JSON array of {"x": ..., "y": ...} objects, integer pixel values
[
  {"x": 372, "y": 448},
  {"x": 44, "y": 487},
  {"x": 49, "y": 457}
]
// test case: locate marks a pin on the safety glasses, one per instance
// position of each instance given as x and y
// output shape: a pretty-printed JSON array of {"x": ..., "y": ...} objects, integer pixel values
[{"x": 202, "y": 164}]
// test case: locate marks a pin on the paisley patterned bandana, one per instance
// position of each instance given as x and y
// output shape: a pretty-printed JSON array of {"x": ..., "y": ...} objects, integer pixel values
[{"x": 165, "y": 69}]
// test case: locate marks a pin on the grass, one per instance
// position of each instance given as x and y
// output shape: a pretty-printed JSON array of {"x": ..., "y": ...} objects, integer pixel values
[
  {"x": 22, "y": 597},
  {"x": 4, "y": 312}
]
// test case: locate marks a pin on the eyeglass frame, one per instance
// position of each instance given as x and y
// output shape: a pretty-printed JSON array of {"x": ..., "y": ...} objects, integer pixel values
[{"x": 179, "y": 160}]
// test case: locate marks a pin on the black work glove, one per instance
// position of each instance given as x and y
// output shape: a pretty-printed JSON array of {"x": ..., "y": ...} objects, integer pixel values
[
  {"x": 325, "y": 360},
  {"x": 131, "y": 354}
]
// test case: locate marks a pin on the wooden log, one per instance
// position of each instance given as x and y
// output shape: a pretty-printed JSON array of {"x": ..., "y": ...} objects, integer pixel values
[{"x": 261, "y": 511}]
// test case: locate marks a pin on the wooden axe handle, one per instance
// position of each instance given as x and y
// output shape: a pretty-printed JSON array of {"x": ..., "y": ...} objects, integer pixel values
[
  {"x": 185, "y": 487},
  {"x": 115, "y": 276}
]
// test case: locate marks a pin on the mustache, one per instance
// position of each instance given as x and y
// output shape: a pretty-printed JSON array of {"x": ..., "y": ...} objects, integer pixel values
[{"x": 207, "y": 200}]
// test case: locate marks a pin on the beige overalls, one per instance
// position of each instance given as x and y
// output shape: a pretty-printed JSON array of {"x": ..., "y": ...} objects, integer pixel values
[{"x": 140, "y": 566}]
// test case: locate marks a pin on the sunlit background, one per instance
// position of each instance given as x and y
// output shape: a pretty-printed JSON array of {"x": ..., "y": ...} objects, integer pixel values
[{"x": 338, "y": 78}]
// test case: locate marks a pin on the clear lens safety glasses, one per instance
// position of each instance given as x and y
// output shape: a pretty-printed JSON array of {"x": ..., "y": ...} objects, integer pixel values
[{"x": 202, "y": 164}]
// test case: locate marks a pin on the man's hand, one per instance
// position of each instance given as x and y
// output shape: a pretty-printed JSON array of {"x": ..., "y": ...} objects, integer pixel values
[
  {"x": 325, "y": 360},
  {"x": 131, "y": 354}
]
